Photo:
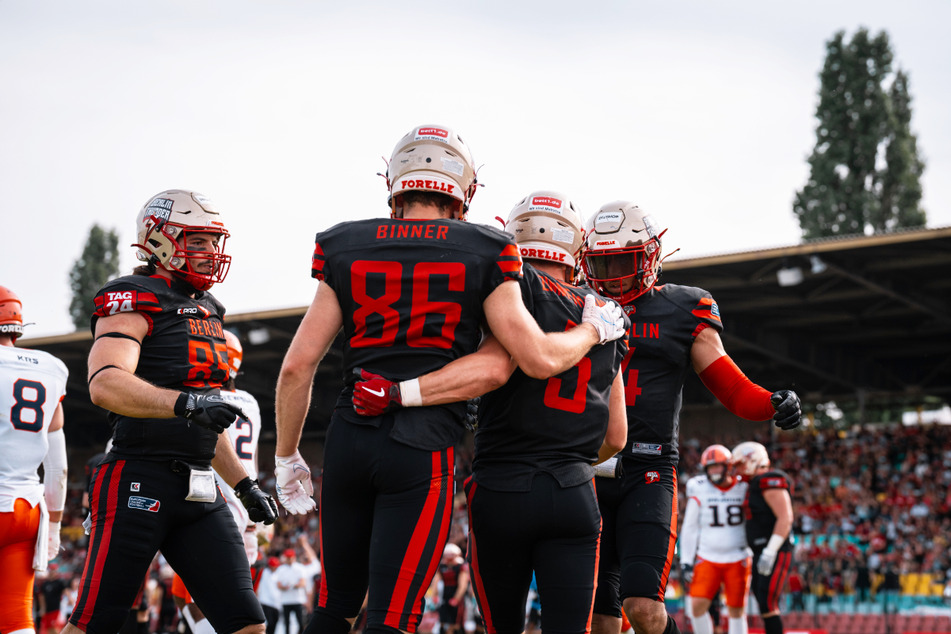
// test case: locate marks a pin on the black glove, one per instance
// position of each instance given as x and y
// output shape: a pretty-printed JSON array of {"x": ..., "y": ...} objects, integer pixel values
[
  {"x": 210, "y": 411},
  {"x": 261, "y": 506},
  {"x": 472, "y": 413},
  {"x": 788, "y": 409},
  {"x": 686, "y": 573}
]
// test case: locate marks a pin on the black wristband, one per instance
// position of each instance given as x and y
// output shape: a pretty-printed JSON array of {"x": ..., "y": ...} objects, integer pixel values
[{"x": 180, "y": 404}]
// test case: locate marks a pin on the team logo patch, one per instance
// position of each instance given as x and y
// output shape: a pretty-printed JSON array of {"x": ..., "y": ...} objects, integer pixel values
[
  {"x": 715, "y": 310},
  {"x": 144, "y": 504},
  {"x": 651, "y": 476},
  {"x": 135, "y": 487}
]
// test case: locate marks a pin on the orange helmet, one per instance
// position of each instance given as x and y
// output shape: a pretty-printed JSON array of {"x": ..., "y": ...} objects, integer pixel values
[
  {"x": 11, "y": 313},
  {"x": 235, "y": 353},
  {"x": 717, "y": 455}
]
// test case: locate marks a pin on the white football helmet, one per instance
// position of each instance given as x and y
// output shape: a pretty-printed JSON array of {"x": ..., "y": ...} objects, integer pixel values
[
  {"x": 161, "y": 229},
  {"x": 622, "y": 251},
  {"x": 748, "y": 457},
  {"x": 430, "y": 158},
  {"x": 547, "y": 227}
]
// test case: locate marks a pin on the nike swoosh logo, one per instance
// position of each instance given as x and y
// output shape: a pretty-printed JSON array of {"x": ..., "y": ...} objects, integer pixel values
[
  {"x": 297, "y": 467},
  {"x": 374, "y": 392}
]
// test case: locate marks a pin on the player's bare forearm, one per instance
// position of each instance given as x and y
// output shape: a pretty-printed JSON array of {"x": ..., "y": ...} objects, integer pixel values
[
  {"x": 227, "y": 463},
  {"x": 314, "y": 336},
  {"x": 540, "y": 355},
  {"x": 470, "y": 376}
]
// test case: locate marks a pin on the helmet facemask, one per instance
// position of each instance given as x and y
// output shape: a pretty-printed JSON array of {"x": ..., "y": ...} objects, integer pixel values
[
  {"x": 718, "y": 456},
  {"x": 165, "y": 226},
  {"x": 622, "y": 256}
]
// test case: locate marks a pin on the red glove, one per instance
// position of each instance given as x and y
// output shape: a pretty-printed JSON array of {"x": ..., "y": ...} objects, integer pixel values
[
  {"x": 373, "y": 395},
  {"x": 454, "y": 602}
]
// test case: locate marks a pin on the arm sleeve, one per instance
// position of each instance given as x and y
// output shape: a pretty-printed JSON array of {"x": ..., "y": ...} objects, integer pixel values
[
  {"x": 690, "y": 530},
  {"x": 732, "y": 388},
  {"x": 54, "y": 471}
]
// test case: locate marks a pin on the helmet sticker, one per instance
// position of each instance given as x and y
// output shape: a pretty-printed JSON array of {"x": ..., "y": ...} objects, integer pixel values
[
  {"x": 563, "y": 235},
  {"x": 453, "y": 166},
  {"x": 545, "y": 203},
  {"x": 649, "y": 225},
  {"x": 160, "y": 208},
  {"x": 608, "y": 221},
  {"x": 432, "y": 134}
]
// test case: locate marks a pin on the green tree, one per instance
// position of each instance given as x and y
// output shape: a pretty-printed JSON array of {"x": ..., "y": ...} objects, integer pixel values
[
  {"x": 865, "y": 170},
  {"x": 98, "y": 264}
]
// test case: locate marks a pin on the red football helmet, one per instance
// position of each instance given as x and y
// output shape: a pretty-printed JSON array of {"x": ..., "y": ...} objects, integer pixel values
[
  {"x": 11, "y": 313},
  {"x": 235, "y": 353},
  {"x": 721, "y": 457}
]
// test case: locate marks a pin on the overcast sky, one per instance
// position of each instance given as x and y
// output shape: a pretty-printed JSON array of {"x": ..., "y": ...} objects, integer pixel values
[{"x": 280, "y": 111}]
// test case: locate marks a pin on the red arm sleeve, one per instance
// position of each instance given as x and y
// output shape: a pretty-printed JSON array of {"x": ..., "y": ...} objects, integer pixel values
[{"x": 740, "y": 395}]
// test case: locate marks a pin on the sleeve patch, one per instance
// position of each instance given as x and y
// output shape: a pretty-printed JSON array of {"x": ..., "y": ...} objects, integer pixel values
[
  {"x": 510, "y": 261},
  {"x": 774, "y": 482},
  {"x": 112, "y": 302},
  {"x": 707, "y": 309},
  {"x": 317, "y": 264}
]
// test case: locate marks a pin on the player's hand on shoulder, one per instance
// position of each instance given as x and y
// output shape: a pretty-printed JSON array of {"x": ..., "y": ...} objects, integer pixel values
[
  {"x": 606, "y": 316},
  {"x": 788, "y": 409},
  {"x": 260, "y": 505},
  {"x": 210, "y": 411}
]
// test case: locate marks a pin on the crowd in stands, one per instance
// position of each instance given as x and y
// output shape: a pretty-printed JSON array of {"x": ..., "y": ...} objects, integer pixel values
[{"x": 872, "y": 516}]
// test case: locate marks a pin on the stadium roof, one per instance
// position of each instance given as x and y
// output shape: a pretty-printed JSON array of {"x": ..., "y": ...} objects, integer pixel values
[{"x": 860, "y": 320}]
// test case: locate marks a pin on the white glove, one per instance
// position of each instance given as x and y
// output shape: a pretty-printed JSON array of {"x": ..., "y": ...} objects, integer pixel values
[
  {"x": 52, "y": 544},
  {"x": 607, "y": 318},
  {"x": 767, "y": 559},
  {"x": 294, "y": 484}
]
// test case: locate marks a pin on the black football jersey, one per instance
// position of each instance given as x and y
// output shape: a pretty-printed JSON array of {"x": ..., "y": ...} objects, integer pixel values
[
  {"x": 184, "y": 349},
  {"x": 411, "y": 294},
  {"x": 664, "y": 323},
  {"x": 555, "y": 425},
  {"x": 760, "y": 519}
]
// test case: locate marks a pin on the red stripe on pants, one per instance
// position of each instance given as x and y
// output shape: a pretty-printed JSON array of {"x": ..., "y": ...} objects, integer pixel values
[
  {"x": 89, "y": 600},
  {"x": 414, "y": 551}
]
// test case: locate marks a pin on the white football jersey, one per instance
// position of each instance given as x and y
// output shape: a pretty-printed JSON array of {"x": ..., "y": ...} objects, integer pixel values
[
  {"x": 713, "y": 523},
  {"x": 32, "y": 384},
  {"x": 244, "y": 436}
]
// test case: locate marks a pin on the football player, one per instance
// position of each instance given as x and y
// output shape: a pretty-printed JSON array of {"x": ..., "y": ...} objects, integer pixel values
[
  {"x": 537, "y": 439},
  {"x": 769, "y": 519},
  {"x": 244, "y": 435},
  {"x": 713, "y": 550},
  {"x": 673, "y": 329},
  {"x": 410, "y": 293},
  {"x": 32, "y": 386},
  {"x": 157, "y": 363}
]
